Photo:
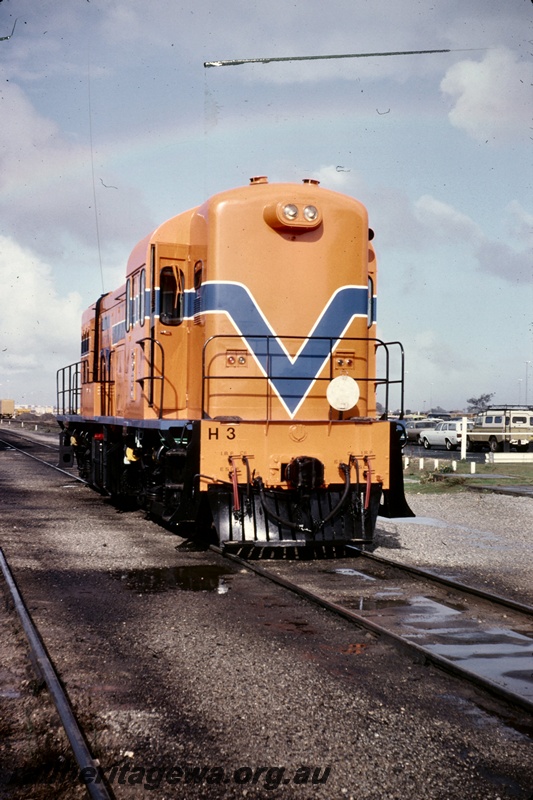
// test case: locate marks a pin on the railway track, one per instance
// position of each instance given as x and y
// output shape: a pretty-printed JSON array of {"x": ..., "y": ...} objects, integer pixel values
[
  {"x": 47, "y": 673},
  {"x": 480, "y": 637},
  {"x": 36, "y": 443},
  {"x": 483, "y": 638}
]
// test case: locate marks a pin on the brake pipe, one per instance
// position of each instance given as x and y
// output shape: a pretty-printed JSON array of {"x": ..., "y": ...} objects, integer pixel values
[
  {"x": 355, "y": 461},
  {"x": 368, "y": 483},
  {"x": 346, "y": 470},
  {"x": 235, "y": 483}
]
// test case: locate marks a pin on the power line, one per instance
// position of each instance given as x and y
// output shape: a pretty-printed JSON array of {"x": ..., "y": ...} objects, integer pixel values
[{"x": 238, "y": 61}]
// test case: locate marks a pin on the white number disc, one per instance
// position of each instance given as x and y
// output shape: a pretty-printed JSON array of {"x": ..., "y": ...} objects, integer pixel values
[{"x": 342, "y": 393}]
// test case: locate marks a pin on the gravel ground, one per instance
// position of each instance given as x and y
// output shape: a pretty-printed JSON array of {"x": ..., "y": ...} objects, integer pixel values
[
  {"x": 241, "y": 678},
  {"x": 480, "y": 538}
]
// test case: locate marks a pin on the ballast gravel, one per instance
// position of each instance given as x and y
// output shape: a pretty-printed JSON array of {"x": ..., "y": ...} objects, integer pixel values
[{"x": 485, "y": 539}]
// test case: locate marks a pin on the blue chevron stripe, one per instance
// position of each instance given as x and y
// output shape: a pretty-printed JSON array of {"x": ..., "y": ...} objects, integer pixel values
[{"x": 291, "y": 377}]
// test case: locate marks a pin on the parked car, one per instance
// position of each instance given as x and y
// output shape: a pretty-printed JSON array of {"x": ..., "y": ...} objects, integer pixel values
[
  {"x": 445, "y": 434},
  {"x": 414, "y": 426}
]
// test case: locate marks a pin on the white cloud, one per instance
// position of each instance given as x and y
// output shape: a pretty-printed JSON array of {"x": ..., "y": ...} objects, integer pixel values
[
  {"x": 515, "y": 266},
  {"x": 495, "y": 257},
  {"x": 445, "y": 221},
  {"x": 491, "y": 97},
  {"x": 520, "y": 224},
  {"x": 39, "y": 329},
  {"x": 46, "y": 178}
]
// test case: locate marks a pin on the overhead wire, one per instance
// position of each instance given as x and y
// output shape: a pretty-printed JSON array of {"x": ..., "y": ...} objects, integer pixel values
[{"x": 239, "y": 61}]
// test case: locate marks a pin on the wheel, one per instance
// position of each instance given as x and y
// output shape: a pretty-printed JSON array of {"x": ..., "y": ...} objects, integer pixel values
[
  {"x": 494, "y": 445},
  {"x": 470, "y": 445},
  {"x": 449, "y": 445},
  {"x": 426, "y": 444}
]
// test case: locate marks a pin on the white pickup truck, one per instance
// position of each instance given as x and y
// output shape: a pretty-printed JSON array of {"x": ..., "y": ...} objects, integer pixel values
[{"x": 446, "y": 434}]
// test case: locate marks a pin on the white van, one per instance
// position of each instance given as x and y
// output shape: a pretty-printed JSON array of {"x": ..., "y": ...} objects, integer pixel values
[{"x": 499, "y": 425}]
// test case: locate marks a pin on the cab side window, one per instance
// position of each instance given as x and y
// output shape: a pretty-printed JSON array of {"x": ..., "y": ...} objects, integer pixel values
[{"x": 171, "y": 287}]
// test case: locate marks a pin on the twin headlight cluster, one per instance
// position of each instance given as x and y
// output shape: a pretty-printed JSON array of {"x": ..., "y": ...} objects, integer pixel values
[
  {"x": 292, "y": 215},
  {"x": 292, "y": 212}
]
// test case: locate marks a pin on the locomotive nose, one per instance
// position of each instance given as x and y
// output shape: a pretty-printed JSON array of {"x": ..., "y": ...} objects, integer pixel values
[{"x": 305, "y": 472}]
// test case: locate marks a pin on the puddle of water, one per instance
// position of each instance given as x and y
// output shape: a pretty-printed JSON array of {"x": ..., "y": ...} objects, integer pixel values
[
  {"x": 440, "y": 523},
  {"x": 506, "y": 659},
  {"x": 10, "y": 694},
  {"x": 436, "y": 523},
  {"x": 196, "y": 578},
  {"x": 377, "y": 603},
  {"x": 502, "y": 655},
  {"x": 354, "y": 572},
  {"x": 424, "y": 611}
]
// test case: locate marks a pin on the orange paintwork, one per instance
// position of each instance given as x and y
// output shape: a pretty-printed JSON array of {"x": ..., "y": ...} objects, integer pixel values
[{"x": 291, "y": 273}]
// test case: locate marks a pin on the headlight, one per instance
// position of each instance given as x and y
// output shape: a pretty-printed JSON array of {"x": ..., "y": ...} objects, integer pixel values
[
  {"x": 290, "y": 211},
  {"x": 293, "y": 216},
  {"x": 310, "y": 213}
]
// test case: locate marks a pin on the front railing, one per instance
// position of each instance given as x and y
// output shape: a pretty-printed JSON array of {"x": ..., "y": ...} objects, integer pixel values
[
  {"x": 68, "y": 389},
  {"x": 284, "y": 374}
]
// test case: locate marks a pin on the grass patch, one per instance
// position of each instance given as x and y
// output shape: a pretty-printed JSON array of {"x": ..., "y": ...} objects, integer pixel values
[{"x": 445, "y": 480}]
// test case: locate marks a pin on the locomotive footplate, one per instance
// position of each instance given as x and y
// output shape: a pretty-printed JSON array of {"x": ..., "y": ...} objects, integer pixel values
[{"x": 281, "y": 518}]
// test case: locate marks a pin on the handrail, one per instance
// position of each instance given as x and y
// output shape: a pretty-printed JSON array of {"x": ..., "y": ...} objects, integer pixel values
[
  {"x": 106, "y": 383},
  {"x": 401, "y": 380},
  {"x": 269, "y": 375},
  {"x": 153, "y": 377},
  {"x": 68, "y": 389}
]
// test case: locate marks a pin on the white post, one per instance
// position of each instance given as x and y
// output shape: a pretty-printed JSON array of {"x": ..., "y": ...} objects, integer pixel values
[
  {"x": 435, "y": 464},
  {"x": 463, "y": 438},
  {"x": 420, "y": 463},
  {"x": 454, "y": 466},
  {"x": 472, "y": 467}
]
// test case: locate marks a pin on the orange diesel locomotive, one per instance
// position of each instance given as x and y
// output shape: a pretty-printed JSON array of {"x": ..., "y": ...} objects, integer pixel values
[{"x": 232, "y": 378}]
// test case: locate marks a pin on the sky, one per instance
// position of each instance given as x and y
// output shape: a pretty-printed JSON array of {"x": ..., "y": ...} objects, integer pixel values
[{"x": 110, "y": 124}]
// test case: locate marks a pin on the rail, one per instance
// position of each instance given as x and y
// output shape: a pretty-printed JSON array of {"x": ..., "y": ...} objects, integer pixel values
[{"x": 76, "y": 737}]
